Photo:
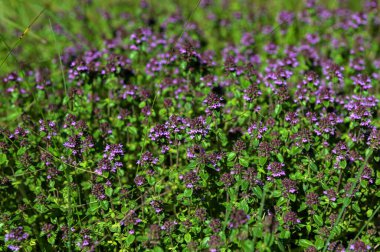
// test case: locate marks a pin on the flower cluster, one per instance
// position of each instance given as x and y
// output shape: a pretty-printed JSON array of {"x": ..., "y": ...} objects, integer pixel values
[{"x": 230, "y": 128}]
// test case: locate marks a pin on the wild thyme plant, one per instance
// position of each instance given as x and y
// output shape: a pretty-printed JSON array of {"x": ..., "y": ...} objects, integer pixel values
[{"x": 221, "y": 127}]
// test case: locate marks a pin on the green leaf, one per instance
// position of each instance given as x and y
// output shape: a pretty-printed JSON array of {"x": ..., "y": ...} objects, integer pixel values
[
  {"x": 262, "y": 161},
  {"x": 158, "y": 249},
  {"x": 243, "y": 162},
  {"x": 115, "y": 228},
  {"x": 151, "y": 180},
  {"x": 346, "y": 202},
  {"x": 142, "y": 104},
  {"x": 276, "y": 193},
  {"x": 368, "y": 152},
  {"x": 51, "y": 239},
  {"x": 192, "y": 165},
  {"x": 247, "y": 246},
  {"x": 231, "y": 156},
  {"x": 188, "y": 192},
  {"x": 369, "y": 213},
  {"x": 86, "y": 185},
  {"x": 187, "y": 237},
  {"x": 180, "y": 196},
  {"x": 313, "y": 166},
  {"x": 295, "y": 150},
  {"x": 285, "y": 234},
  {"x": 292, "y": 197},
  {"x": 94, "y": 206},
  {"x": 280, "y": 157},
  {"x": 130, "y": 239},
  {"x": 305, "y": 243},
  {"x": 343, "y": 164},
  {"x": 308, "y": 228},
  {"x": 258, "y": 192},
  {"x": 3, "y": 158},
  {"x": 223, "y": 138},
  {"x": 109, "y": 191},
  {"x": 318, "y": 219},
  {"x": 302, "y": 207},
  {"x": 66, "y": 100},
  {"x": 41, "y": 208},
  {"x": 21, "y": 151},
  {"x": 257, "y": 231},
  {"x": 104, "y": 204},
  {"x": 278, "y": 109},
  {"x": 132, "y": 130},
  {"x": 356, "y": 207},
  {"x": 319, "y": 243}
]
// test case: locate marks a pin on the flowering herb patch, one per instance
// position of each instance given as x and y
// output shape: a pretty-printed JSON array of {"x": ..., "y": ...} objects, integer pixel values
[{"x": 218, "y": 126}]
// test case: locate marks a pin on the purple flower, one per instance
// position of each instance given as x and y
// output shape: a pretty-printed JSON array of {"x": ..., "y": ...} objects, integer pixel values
[
  {"x": 257, "y": 129},
  {"x": 169, "y": 226},
  {"x": 176, "y": 124},
  {"x": 285, "y": 17},
  {"x": 139, "y": 180},
  {"x": 157, "y": 205},
  {"x": 147, "y": 159},
  {"x": 14, "y": 247},
  {"x": 312, "y": 38},
  {"x": 276, "y": 170},
  {"x": 251, "y": 93},
  {"x": 201, "y": 214},
  {"x": 291, "y": 218},
  {"x": 190, "y": 179},
  {"x": 16, "y": 234},
  {"x": 247, "y": 39},
  {"x": 215, "y": 242},
  {"x": 331, "y": 194},
  {"x": 359, "y": 246},
  {"x": 159, "y": 132},
  {"x": 215, "y": 225},
  {"x": 98, "y": 191},
  {"x": 363, "y": 81},
  {"x": 250, "y": 175},
  {"x": 47, "y": 228},
  {"x": 52, "y": 173},
  {"x": 197, "y": 126},
  {"x": 230, "y": 64},
  {"x": 271, "y": 48},
  {"x": 227, "y": 179},
  {"x": 290, "y": 186},
  {"x": 292, "y": 117},
  {"x": 239, "y": 146},
  {"x": 113, "y": 150},
  {"x": 213, "y": 102},
  {"x": 312, "y": 199},
  {"x": 147, "y": 111},
  {"x": 195, "y": 151},
  {"x": 265, "y": 149},
  {"x": 109, "y": 161},
  {"x": 367, "y": 174},
  {"x": 238, "y": 218}
]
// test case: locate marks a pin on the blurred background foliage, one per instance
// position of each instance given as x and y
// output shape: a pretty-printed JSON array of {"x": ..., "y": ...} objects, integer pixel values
[{"x": 88, "y": 19}]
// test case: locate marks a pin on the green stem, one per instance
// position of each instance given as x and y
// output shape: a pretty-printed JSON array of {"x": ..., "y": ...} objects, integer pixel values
[
  {"x": 347, "y": 201},
  {"x": 262, "y": 203},
  {"x": 366, "y": 223},
  {"x": 70, "y": 209}
]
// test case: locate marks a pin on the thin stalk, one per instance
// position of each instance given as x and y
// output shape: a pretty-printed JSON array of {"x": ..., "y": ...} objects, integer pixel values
[
  {"x": 366, "y": 223},
  {"x": 347, "y": 202},
  {"x": 60, "y": 59},
  {"x": 262, "y": 203},
  {"x": 70, "y": 209}
]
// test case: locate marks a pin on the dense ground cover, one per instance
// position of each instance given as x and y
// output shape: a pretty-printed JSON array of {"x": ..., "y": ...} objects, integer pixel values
[{"x": 197, "y": 126}]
